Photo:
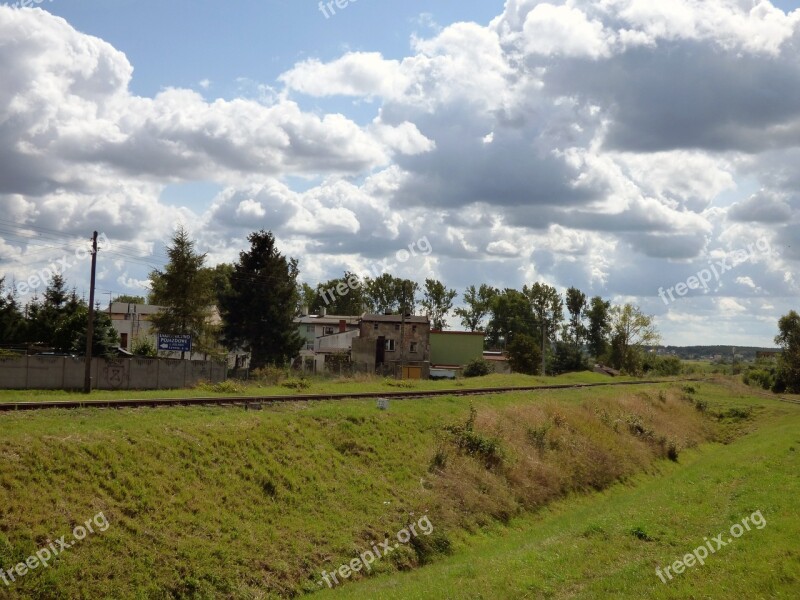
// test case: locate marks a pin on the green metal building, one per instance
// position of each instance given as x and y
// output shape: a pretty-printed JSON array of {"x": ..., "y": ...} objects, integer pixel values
[{"x": 455, "y": 348}]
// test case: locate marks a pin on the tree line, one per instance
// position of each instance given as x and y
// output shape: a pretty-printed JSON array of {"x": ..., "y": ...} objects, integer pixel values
[{"x": 251, "y": 305}]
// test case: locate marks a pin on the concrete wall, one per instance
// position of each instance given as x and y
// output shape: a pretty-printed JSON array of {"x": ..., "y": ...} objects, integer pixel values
[{"x": 65, "y": 372}]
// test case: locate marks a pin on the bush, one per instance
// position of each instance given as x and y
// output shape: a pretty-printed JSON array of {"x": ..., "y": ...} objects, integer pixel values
[
  {"x": 662, "y": 366},
  {"x": 296, "y": 384},
  {"x": 469, "y": 441},
  {"x": 145, "y": 348},
  {"x": 270, "y": 375},
  {"x": 524, "y": 355},
  {"x": 765, "y": 376},
  {"x": 478, "y": 367},
  {"x": 228, "y": 386}
]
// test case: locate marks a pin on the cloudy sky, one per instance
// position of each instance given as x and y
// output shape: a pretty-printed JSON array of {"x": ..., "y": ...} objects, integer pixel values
[{"x": 620, "y": 146}]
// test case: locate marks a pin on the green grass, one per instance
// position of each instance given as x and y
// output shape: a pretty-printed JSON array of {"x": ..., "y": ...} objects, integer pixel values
[
  {"x": 609, "y": 544},
  {"x": 214, "y": 502},
  {"x": 317, "y": 385}
]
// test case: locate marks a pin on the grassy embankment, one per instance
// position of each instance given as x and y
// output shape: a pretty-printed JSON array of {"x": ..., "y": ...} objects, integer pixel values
[
  {"x": 608, "y": 545},
  {"x": 219, "y": 502},
  {"x": 311, "y": 385}
]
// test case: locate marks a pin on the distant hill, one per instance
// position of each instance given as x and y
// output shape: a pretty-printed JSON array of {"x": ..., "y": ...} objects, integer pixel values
[{"x": 698, "y": 352}]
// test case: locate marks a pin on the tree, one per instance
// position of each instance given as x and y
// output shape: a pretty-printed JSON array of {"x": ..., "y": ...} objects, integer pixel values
[
  {"x": 105, "y": 339},
  {"x": 478, "y": 304},
  {"x": 547, "y": 307},
  {"x": 631, "y": 331},
  {"x": 55, "y": 320},
  {"x": 390, "y": 294},
  {"x": 258, "y": 312},
  {"x": 127, "y": 299},
  {"x": 342, "y": 296},
  {"x": 71, "y": 325},
  {"x": 524, "y": 355},
  {"x": 13, "y": 327},
  {"x": 789, "y": 363},
  {"x": 510, "y": 316},
  {"x": 599, "y": 326},
  {"x": 308, "y": 299},
  {"x": 221, "y": 279},
  {"x": 438, "y": 301},
  {"x": 186, "y": 291},
  {"x": 576, "y": 306}
]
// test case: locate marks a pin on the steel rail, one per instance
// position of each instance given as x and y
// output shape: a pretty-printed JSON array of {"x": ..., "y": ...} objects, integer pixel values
[{"x": 250, "y": 400}]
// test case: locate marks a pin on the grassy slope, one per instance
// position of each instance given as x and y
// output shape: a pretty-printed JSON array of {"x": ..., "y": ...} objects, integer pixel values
[
  {"x": 318, "y": 385},
  {"x": 215, "y": 502},
  {"x": 583, "y": 547}
]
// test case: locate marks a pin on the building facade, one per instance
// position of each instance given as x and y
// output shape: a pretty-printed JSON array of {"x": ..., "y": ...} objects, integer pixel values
[
  {"x": 395, "y": 345},
  {"x": 323, "y": 336}
]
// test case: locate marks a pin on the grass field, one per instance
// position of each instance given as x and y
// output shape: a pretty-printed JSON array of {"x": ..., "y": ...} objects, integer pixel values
[
  {"x": 224, "y": 503},
  {"x": 315, "y": 385},
  {"x": 609, "y": 544}
]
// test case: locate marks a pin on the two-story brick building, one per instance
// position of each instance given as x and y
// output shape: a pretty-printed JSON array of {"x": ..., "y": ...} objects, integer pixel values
[{"x": 394, "y": 345}]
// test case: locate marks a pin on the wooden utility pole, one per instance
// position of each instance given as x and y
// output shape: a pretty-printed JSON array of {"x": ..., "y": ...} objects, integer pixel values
[
  {"x": 403, "y": 334},
  {"x": 87, "y": 379},
  {"x": 544, "y": 336}
]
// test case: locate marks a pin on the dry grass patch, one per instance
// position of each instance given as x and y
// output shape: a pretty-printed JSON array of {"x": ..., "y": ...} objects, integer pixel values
[{"x": 503, "y": 461}]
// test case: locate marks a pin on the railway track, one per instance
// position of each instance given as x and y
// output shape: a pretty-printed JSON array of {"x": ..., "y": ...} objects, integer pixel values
[{"x": 258, "y": 400}]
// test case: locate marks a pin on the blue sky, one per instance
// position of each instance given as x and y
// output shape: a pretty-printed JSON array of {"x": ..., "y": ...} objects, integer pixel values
[
  {"x": 616, "y": 146},
  {"x": 182, "y": 42}
]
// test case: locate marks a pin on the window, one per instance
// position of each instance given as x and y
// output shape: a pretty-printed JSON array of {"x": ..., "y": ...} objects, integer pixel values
[
  {"x": 328, "y": 331},
  {"x": 123, "y": 340},
  {"x": 389, "y": 346},
  {"x": 414, "y": 328},
  {"x": 309, "y": 345},
  {"x": 309, "y": 328},
  {"x": 397, "y": 326},
  {"x": 375, "y": 326},
  {"x": 413, "y": 346}
]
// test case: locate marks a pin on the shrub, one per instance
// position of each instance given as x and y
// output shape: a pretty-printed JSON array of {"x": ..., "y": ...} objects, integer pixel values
[
  {"x": 763, "y": 378},
  {"x": 296, "y": 384},
  {"x": 270, "y": 375},
  {"x": 145, "y": 348},
  {"x": 229, "y": 386},
  {"x": 478, "y": 367},
  {"x": 524, "y": 355},
  {"x": 662, "y": 366},
  {"x": 473, "y": 443}
]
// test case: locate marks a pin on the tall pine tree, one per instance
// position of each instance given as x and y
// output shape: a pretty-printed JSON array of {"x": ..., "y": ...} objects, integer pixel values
[
  {"x": 186, "y": 291},
  {"x": 258, "y": 310}
]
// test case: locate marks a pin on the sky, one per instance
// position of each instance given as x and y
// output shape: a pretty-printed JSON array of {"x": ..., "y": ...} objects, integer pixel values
[{"x": 645, "y": 152}]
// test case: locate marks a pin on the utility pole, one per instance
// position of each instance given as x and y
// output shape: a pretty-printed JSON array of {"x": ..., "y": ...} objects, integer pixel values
[
  {"x": 403, "y": 332},
  {"x": 87, "y": 380},
  {"x": 544, "y": 335}
]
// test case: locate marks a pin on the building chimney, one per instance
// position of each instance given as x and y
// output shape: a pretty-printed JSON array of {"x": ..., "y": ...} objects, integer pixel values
[
  {"x": 323, "y": 311},
  {"x": 305, "y": 311},
  {"x": 342, "y": 325}
]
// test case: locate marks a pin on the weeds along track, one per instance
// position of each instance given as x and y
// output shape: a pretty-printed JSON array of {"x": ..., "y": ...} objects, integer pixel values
[{"x": 260, "y": 400}]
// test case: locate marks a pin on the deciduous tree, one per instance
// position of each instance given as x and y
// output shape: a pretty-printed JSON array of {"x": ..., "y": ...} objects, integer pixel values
[{"x": 438, "y": 301}]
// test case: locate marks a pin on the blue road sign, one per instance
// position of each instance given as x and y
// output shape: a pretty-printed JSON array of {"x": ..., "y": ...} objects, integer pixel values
[{"x": 175, "y": 343}]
